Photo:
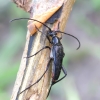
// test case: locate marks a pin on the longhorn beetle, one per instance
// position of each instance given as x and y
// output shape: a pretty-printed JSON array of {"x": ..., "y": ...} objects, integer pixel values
[{"x": 56, "y": 55}]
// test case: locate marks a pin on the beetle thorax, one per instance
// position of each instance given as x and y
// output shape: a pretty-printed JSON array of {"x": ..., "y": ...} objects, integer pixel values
[{"x": 56, "y": 40}]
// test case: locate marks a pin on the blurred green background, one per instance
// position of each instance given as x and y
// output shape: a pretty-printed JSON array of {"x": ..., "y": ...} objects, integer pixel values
[{"x": 83, "y": 65}]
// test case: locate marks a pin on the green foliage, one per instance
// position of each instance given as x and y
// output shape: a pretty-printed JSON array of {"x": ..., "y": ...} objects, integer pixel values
[{"x": 96, "y": 4}]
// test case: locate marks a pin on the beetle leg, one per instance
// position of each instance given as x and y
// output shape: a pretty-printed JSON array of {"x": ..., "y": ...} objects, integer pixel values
[
  {"x": 42, "y": 33},
  {"x": 39, "y": 78},
  {"x": 39, "y": 51}
]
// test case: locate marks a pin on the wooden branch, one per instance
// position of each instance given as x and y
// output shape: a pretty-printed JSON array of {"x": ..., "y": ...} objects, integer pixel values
[{"x": 32, "y": 68}]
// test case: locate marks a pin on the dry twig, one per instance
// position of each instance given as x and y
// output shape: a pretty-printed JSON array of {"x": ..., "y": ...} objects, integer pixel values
[{"x": 31, "y": 69}]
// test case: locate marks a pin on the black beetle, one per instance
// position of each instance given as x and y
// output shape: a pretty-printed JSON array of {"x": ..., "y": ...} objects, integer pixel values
[{"x": 56, "y": 55}]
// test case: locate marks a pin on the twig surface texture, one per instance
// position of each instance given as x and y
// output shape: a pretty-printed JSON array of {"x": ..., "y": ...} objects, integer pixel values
[{"x": 32, "y": 68}]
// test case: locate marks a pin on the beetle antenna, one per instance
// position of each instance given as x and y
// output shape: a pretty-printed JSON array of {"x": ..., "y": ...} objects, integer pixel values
[
  {"x": 30, "y": 19},
  {"x": 71, "y": 36}
]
